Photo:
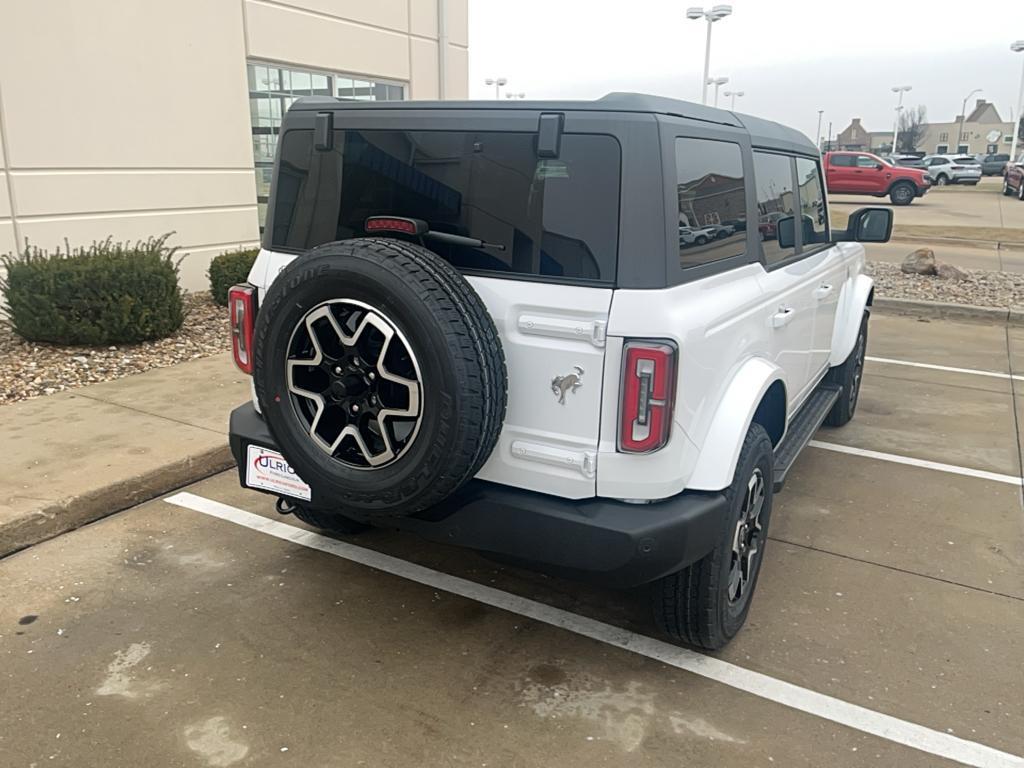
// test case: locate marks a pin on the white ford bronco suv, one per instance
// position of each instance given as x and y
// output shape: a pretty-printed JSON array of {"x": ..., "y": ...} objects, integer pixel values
[{"x": 479, "y": 322}]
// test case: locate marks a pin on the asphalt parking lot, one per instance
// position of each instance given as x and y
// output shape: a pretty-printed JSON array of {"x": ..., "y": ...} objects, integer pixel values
[
  {"x": 952, "y": 206},
  {"x": 213, "y": 632}
]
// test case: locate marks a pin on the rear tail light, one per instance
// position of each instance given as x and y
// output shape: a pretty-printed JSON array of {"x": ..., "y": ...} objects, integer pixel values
[
  {"x": 242, "y": 307},
  {"x": 958, "y": 168},
  {"x": 648, "y": 391}
]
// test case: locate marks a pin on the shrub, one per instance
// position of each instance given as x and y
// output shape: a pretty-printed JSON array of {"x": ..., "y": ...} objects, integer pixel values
[
  {"x": 106, "y": 293},
  {"x": 227, "y": 270}
]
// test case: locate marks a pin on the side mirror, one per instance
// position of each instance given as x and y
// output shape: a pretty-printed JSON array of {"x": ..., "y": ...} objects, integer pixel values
[
  {"x": 785, "y": 231},
  {"x": 879, "y": 166},
  {"x": 866, "y": 225}
]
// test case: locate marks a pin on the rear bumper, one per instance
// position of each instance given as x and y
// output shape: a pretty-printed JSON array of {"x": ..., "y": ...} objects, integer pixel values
[{"x": 598, "y": 540}]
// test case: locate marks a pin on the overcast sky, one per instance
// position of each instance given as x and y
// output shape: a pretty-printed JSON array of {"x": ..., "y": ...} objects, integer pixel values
[{"x": 790, "y": 57}]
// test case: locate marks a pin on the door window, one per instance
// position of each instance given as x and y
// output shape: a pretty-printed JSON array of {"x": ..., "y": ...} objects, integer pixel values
[
  {"x": 813, "y": 215},
  {"x": 712, "y": 201},
  {"x": 773, "y": 178},
  {"x": 843, "y": 161},
  {"x": 863, "y": 161}
]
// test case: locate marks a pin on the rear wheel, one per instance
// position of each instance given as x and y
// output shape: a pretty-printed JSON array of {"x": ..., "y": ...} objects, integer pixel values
[
  {"x": 706, "y": 604},
  {"x": 848, "y": 376},
  {"x": 701, "y": 240},
  {"x": 1020, "y": 188},
  {"x": 902, "y": 193}
]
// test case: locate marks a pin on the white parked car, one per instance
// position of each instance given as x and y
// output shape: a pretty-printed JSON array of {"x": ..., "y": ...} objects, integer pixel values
[
  {"x": 953, "y": 169},
  {"x": 696, "y": 235},
  {"x": 478, "y": 325}
]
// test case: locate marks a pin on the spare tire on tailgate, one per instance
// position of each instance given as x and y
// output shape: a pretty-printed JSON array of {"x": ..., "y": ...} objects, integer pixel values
[{"x": 380, "y": 375}]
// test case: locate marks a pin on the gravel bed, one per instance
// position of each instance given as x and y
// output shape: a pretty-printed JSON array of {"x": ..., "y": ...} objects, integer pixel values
[
  {"x": 984, "y": 288},
  {"x": 31, "y": 369}
]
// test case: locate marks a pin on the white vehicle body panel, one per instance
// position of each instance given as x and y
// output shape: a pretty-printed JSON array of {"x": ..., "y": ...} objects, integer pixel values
[
  {"x": 546, "y": 331},
  {"x": 731, "y": 349}
]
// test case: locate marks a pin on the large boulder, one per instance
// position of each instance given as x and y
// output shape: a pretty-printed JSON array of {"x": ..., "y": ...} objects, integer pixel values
[
  {"x": 950, "y": 272},
  {"x": 920, "y": 262}
]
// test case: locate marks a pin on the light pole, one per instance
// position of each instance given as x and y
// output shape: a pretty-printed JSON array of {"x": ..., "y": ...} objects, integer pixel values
[
  {"x": 1017, "y": 47},
  {"x": 731, "y": 95},
  {"x": 497, "y": 82},
  {"x": 713, "y": 14},
  {"x": 718, "y": 82},
  {"x": 900, "y": 89},
  {"x": 817, "y": 136},
  {"x": 963, "y": 116}
]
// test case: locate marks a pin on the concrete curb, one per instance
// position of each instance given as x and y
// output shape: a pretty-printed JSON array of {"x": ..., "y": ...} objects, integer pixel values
[
  {"x": 943, "y": 311},
  {"x": 992, "y": 245},
  {"x": 71, "y": 513}
]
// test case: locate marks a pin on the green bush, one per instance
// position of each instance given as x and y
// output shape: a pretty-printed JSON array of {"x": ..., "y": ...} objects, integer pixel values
[
  {"x": 229, "y": 269},
  {"x": 106, "y": 293}
]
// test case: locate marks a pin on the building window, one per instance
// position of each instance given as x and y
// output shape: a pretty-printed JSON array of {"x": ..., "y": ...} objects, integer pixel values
[
  {"x": 942, "y": 149},
  {"x": 944, "y": 136},
  {"x": 273, "y": 88}
]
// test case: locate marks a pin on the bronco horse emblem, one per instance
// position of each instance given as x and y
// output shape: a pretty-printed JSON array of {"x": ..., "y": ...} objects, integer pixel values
[{"x": 568, "y": 383}]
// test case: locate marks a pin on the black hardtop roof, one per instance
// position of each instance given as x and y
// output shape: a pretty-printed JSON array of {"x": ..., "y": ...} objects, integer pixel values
[{"x": 762, "y": 132}]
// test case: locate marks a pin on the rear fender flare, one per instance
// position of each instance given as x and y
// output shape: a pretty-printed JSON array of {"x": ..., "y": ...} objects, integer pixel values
[
  {"x": 720, "y": 451},
  {"x": 857, "y": 294}
]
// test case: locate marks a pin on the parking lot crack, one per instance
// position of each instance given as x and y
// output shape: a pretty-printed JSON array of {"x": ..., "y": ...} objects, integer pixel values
[{"x": 908, "y": 572}]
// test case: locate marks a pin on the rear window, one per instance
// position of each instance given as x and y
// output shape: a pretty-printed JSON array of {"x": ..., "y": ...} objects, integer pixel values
[
  {"x": 966, "y": 160},
  {"x": 541, "y": 217},
  {"x": 843, "y": 161}
]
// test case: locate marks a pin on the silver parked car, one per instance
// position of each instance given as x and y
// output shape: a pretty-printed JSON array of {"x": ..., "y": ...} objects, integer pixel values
[{"x": 953, "y": 169}]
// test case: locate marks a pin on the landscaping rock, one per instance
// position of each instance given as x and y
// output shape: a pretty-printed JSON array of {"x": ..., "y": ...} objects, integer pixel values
[
  {"x": 34, "y": 369},
  {"x": 920, "y": 262},
  {"x": 950, "y": 272},
  {"x": 983, "y": 288}
]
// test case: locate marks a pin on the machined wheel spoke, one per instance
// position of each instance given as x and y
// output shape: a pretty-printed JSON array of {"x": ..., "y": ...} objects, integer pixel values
[{"x": 346, "y": 379}]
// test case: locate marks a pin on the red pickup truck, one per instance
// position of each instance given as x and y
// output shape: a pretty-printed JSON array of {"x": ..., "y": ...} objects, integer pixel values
[{"x": 861, "y": 173}]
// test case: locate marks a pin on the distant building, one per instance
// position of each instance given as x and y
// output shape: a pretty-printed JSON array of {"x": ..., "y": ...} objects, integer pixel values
[{"x": 983, "y": 132}]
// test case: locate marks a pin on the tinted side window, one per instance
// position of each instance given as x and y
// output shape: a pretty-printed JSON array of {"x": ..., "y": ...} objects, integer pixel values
[
  {"x": 843, "y": 161},
  {"x": 812, "y": 202},
  {"x": 712, "y": 201},
  {"x": 773, "y": 176},
  {"x": 551, "y": 217},
  {"x": 863, "y": 161}
]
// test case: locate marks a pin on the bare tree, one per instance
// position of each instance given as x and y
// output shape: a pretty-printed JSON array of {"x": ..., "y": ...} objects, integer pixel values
[{"x": 912, "y": 125}]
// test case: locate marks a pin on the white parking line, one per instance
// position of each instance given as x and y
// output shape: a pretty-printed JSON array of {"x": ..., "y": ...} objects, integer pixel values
[
  {"x": 924, "y": 463},
  {"x": 951, "y": 369},
  {"x": 851, "y": 715}
]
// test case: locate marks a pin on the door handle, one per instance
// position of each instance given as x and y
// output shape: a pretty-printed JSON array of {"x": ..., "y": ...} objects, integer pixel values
[
  {"x": 823, "y": 291},
  {"x": 782, "y": 317}
]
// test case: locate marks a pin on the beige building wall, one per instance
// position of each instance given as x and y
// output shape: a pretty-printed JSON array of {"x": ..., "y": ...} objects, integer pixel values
[
  {"x": 974, "y": 136},
  {"x": 132, "y": 118}
]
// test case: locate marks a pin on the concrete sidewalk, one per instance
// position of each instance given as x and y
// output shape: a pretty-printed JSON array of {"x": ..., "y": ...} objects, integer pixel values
[
  {"x": 964, "y": 256},
  {"x": 79, "y": 455}
]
